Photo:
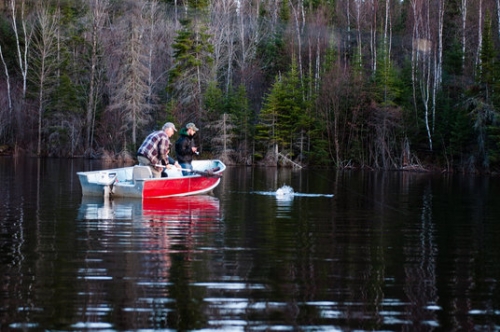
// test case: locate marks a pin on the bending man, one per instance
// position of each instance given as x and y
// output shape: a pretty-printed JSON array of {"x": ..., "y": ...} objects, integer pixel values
[{"x": 154, "y": 150}]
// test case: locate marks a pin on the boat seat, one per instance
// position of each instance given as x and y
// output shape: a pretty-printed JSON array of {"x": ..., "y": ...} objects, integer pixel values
[{"x": 141, "y": 173}]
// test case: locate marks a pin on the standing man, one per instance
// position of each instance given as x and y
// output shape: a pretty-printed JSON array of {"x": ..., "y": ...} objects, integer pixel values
[
  {"x": 185, "y": 148},
  {"x": 154, "y": 150}
]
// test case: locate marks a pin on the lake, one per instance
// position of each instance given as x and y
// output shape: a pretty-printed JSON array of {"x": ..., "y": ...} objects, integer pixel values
[{"x": 348, "y": 251}]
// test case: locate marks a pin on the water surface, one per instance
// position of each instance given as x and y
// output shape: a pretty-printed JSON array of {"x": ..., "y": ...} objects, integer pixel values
[{"x": 364, "y": 251}]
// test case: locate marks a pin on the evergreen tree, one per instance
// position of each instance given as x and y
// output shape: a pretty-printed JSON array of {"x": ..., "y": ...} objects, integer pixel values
[
  {"x": 488, "y": 68},
  {"x": 188, "y": 78},
  {"x": 284, "y": 116},
  {"x": 229, "y": 123},
  {"x": 238, "y": 106},
  {"x": 214, "y": 108},
  {"x": 482, "y": 105},
  {"x": 387, "y": 87}
]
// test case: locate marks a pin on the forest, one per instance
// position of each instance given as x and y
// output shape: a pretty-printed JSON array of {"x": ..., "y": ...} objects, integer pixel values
[{"x": 376, "y": 84}]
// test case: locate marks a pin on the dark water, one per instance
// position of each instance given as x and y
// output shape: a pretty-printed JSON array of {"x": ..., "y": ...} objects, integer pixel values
[{"x": 390, "y": 251}]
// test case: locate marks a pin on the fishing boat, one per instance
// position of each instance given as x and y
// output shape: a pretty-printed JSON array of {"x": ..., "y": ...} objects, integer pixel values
[{"x": 138, "y": 182}]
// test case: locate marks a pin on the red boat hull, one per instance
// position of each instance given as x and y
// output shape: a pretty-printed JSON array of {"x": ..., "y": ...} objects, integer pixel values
[{"x": 191, "y": 185}]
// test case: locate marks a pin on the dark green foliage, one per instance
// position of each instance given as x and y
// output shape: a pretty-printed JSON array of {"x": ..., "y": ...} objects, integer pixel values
[
  {"x": 453, "y": 130},
  {"x": 214, "y": 101},
  {"x": 318, "y": 154},
  {"x": 488, "y": 71},
  {"x": 7, "y": 42},
  {"x": 192, "y": 54},
  {"x": 228, "y": 124},
  {"x": 284, "y": 120},
  {"x": 453, "y": 60},
  {"x": 237, "y": 105},
  {"x": 315, "y": 4},
  {"x": 493, "y": 132},
  {"x": 387, "y": 85},
  {"x": 482, "y": 116},
  {"x": 273, "y": 58},
  {"x": 460, "y": 133},
  {"x": 198, "y": 4}
]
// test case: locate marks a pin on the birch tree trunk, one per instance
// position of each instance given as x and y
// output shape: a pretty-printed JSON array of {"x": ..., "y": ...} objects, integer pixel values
[
  {"x": 299, "y": 39},
  {"x": 422, "y": 59},
  {"x": 438, "y": 56},
  {"x": 425, "y": 82},
  {"x": 348, "y": 26},
  {"x": 373, "y": 34},
  {"x": 463, "y": 10},
  {"x": 498, "y": 18},
  {"x": 479, "y": 33},
  {"x": 358, "y": 15},
  {"x": 22, "y": 48},
  {"x": 7, "y": 80}
]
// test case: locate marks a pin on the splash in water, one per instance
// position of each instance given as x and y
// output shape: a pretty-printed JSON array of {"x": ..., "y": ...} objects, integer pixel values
[
  {"x": 287, "y": 193},
  {"x": 284, "y": 191}
]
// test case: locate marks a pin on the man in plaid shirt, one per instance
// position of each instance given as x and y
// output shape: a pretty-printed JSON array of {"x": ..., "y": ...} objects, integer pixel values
[{"x": 154, "y": 150}]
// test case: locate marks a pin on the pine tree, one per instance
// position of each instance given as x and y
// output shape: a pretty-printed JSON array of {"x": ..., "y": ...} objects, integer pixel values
[
  {"x": 488, "y": 68},
  {"x": 187, "y": 78},
  {"x": 284, "y": 116},
  {"x": 387, "y": 87},
  {"x": 237, "y": 105},
  {"x": 484, "y": 115}
]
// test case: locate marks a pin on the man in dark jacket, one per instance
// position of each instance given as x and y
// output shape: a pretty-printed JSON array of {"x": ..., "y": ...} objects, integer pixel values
[{"x": 185, "y": 147}]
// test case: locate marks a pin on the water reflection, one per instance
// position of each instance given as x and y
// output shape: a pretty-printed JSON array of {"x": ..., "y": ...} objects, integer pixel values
[
  {"x": 192, "y": 207},
  {"x": 144, "y": 254}
]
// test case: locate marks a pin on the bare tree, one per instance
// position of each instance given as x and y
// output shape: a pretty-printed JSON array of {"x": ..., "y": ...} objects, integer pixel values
[
  {"x": 99, "y": 14},
  {"x": 131, "y": 88},
  {"x": 249, "y": 35},
  {"x": 151, "y": 13},
  {"x": 222, "y": 31},
  {"x": 158, "y": 34},
  {"x": 43, "y": 56}
]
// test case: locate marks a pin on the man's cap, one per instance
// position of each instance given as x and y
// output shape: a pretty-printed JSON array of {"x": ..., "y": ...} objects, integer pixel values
[
  {"x": 169, "y": 125},
  {"x": 191, "y": 126}
]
